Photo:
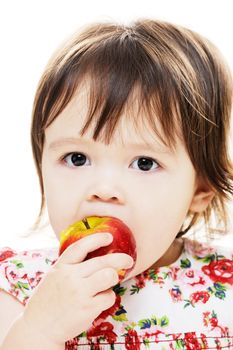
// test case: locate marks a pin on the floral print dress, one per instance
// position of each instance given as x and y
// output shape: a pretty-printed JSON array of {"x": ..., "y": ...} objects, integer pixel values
[{"x": 186, "y": 305}]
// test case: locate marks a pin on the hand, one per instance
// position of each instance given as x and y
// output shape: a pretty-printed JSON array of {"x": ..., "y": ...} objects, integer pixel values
[{"x": 74, "y": 292}]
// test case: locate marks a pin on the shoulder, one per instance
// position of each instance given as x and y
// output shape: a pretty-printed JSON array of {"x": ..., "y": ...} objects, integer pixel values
[
  {"x": 209, "y": 249},
  {"x": 212, "y": 262},
  {"x": 211, "y": 254},
  {"x": 20, "y": 272}
]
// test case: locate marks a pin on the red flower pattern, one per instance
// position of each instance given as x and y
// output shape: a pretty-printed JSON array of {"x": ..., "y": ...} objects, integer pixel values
[
  {"x": 6, "y": 254},
  {"x": 191, "y": 342},
  {"x": 155, "y": 329},
  {"x": 202, "y": 296},
  {"x": 176, "y": 294},
  {"x": 132, "y": 341},
  {"x": 190, "y": 273},
  {"x": 105, "y": 329},
  {"x": 140, "y": 281},
  {"x": 220, "y": 271}
]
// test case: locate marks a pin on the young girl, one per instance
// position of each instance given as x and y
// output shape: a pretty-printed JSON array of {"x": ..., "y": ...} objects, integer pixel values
[{"x": 131, "y": 122}]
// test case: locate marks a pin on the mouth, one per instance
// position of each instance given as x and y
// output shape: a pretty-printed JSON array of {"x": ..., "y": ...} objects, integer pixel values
[{"x": 84, "y": 218}]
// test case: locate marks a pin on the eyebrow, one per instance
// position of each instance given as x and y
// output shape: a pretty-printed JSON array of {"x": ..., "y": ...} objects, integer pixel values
[{"x": 77, "y": 141}]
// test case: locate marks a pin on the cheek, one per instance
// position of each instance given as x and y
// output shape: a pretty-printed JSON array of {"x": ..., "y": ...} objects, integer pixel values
[
  {"x": 169, "y": 197},
  {"x": 60, "y": 200},
  {"x": 161, "y": 212}
]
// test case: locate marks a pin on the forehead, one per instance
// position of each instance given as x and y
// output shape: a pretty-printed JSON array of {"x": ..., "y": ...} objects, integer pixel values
[{"x": 133, "y": 126}]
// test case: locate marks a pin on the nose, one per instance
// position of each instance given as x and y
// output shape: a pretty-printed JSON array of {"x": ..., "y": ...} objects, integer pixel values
[{"x": 105, "y": 193}]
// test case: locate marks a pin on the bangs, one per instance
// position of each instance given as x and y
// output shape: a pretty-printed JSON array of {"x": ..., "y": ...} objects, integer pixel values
[{"x": 122, "y": 80}]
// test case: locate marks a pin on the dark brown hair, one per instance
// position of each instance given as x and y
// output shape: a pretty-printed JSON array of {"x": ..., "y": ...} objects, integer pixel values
[{"x": 183, "y": 84}]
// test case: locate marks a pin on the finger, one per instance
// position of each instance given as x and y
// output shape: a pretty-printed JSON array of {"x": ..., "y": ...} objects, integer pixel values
[
  {"x": 101, "y": 281},
  {"x": 104, "y": 300},
  {"x": 77, "y": 251},
  {"x": 116, "y": 261}
]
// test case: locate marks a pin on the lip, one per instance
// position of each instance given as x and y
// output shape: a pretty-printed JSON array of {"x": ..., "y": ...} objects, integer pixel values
[
  {"x": 100, "y": 215},
  {"x": 104, "y": 215},
  {"x": 124, "y": 220}
]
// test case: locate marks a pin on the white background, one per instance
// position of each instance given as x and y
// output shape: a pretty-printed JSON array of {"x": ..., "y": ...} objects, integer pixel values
[{"x": 29, "y": 33}]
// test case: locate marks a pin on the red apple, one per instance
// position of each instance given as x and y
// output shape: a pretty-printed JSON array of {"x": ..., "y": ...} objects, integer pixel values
[{"x": 123, "y": 239}]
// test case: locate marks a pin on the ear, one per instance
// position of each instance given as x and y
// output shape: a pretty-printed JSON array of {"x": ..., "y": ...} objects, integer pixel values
[{"x": 202, "y": 197}]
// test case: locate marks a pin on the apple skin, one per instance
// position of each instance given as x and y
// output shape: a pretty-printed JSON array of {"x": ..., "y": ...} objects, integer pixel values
[{"x": 123, "y": 239}]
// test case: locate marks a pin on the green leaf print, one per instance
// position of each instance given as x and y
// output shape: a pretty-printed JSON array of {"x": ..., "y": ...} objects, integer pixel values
[
  {"x": 219, "y": 290},
  {"x": 219, "y": 286},
  {"x": 146, "y": 342},
  {"x": 213, "y": 314},
  {"x": 210, "y": 290},
  {"x": 165, "y": 275},
  {"x": 164, "y": 321},
  {"x": 185, "y": 263},
  {"x": 134, "y": 289},
  {"x": 152, "y": 275},
  {"x": 220, "y": 294},
  {"x": 220, "y": 257},
  {"x": 121, "y": 318},
  {"x": 18, "y": 264},
  {"x": 154, "y": 320},
  {"x": 143, "y": 324},
  {"x": 22, "y": 286},
  {"x": 179, "y": 344},
  {"x": 128, "y": 328},
  {"x": 208, "y": 258},
  {"x": 48, "y": 261},
  {"x": 119, "y": 290},
  {"x": 188, "y": 302},
  {"x": 83, "y": 334}
]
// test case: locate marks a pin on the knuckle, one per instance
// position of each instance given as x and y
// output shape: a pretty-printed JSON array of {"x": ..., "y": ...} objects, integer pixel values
[
  {"x": 101, "y": 261},
  {"x": 111, "y": 274}
]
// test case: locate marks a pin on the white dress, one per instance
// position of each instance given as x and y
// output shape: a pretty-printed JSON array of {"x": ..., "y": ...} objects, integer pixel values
[{"x": 187, "y": 305}]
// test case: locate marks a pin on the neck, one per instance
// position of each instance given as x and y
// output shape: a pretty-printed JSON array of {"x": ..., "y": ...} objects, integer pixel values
[{"x": 171, "y": 254}]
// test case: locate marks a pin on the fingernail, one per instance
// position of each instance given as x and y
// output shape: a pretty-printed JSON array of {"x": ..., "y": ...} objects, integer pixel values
[
  {"x": 131, "y": 262},
  {"x": 109, "y": 237}
]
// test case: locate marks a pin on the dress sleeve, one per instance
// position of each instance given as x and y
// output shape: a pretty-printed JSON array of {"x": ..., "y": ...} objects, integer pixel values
[{"x": 21, "y": 272}]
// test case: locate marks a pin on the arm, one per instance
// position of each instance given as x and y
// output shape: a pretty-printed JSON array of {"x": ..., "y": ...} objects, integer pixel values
[
  {"x": 48, "y": 320},
  {"x": 21, "y": 337},
  {"x": 14, "y": 333}
]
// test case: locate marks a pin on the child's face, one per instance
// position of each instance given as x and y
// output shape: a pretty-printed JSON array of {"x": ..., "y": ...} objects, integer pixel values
[{"x": 112, "y": 180}]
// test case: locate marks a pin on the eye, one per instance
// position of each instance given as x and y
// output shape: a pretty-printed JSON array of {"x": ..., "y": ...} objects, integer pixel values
[
  {"x": 145, "y": 163},
  {"x": 75, "y": 159}
]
